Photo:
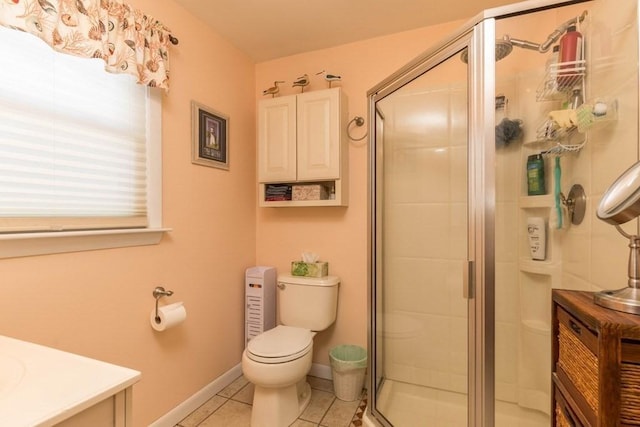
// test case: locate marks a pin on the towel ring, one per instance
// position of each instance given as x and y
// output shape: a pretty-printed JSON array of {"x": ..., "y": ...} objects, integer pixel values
[{"x": 359, "y": 121}]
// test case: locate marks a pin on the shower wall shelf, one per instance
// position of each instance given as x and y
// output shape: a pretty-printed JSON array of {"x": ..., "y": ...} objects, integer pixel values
[
  {"x": 590, "y": 116},
  {"x": 558, "y": 84},
  {"x": 551, "y": 138},
  {"x": 545, "y": 201},
  {"x": 554, "y": 139},
  {"x": 601, "y": 112},
  {"x": 546, "y": 268},
  {"x": 549, "y": 130},
  {"x": 560, "y": 79}
]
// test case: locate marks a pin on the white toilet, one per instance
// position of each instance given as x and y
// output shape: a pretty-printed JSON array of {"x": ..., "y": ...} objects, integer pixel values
[{"x": 278, "y": 360}]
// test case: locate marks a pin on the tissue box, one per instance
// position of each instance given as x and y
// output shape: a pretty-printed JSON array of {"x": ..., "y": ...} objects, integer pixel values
[
  {"x": 309, "y": 269},
  {"x": 309, "y": 192}
]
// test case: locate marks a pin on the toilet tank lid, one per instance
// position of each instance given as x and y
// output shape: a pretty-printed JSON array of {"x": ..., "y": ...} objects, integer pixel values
[{"x": 309, "y": 281}]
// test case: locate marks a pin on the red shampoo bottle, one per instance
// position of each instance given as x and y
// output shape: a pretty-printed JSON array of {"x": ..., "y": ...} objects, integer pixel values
[{"x": 570, "y": 51}]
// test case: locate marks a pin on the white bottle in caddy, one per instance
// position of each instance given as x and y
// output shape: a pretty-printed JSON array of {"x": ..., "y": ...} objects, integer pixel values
[{"x": 537, "y": 232}]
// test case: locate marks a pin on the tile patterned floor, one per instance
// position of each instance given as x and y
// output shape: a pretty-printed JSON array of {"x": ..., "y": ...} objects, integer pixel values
[{"x": 232, "y": 408}]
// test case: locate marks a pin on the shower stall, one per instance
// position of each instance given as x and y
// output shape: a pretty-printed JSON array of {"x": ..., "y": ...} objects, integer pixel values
[{"x": 460, "y": 312}]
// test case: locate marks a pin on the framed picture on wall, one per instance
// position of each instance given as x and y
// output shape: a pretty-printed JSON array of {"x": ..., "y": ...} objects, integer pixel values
[{"x": 210, "y": 137}]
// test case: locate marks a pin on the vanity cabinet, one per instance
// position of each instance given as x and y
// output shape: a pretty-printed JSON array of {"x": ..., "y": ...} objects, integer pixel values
[
  {"x": 114, "y": 411},
  {"x": 302, "y": 142},
  {"x": 42, "y": 386},
  {"x": 596, "y": 363}
]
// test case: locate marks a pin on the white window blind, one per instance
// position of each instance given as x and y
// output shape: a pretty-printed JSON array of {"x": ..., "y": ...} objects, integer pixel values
[{"x": 72, "y": 141}]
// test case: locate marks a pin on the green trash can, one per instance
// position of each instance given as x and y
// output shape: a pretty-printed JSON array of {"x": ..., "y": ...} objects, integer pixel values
[{"x": 348, "y": 367}]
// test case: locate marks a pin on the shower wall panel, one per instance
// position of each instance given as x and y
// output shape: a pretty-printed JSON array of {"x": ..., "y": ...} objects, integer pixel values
[
  {"x": 595, "y": 255},
  {"x": 585, "y": 256}
]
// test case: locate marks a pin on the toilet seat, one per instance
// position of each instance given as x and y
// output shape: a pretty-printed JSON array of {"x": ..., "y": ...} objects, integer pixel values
[{"x": 280, "y": 344}]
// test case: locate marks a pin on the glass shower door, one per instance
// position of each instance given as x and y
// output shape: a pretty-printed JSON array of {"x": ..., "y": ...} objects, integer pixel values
[{"x": 421, "y": 233}]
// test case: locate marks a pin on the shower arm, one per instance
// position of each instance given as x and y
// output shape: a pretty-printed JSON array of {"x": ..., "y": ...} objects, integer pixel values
[{"x": 553, "y": 37}]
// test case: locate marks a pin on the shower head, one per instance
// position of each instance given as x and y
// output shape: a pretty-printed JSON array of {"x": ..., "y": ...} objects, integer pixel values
[
  {"x": 503, "y": 49},
  {"x": 505, "y": 45}
]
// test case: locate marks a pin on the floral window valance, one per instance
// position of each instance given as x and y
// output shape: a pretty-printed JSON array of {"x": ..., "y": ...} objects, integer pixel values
[{"x": 125, "y": 38}]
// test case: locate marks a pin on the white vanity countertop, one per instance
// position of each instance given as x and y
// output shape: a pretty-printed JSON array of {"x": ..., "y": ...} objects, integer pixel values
[{"x": 41, "y": 386}]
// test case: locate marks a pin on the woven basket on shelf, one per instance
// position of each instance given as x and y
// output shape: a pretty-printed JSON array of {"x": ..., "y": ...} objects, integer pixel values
[
  {"x": 629, "y": 394},
  {"x": 580, "y": 365}
]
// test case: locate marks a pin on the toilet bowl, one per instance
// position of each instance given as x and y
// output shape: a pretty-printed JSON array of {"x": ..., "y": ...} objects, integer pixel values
[{"x": 277, "y": 361}]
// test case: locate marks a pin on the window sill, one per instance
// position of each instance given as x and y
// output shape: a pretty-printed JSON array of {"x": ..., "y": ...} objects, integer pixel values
[{"x": 30, "y": 244}]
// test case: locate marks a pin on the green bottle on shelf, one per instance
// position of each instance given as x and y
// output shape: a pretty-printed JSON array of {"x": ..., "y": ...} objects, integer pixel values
[{"x": 535, "y": 175}]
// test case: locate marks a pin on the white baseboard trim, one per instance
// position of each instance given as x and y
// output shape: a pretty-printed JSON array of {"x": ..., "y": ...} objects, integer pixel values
[
  {"x": 177, "y": 414},
  {"x": 320, "y": 371}
]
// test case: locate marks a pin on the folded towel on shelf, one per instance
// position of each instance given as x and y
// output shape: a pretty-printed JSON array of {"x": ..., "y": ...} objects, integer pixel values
[
  {"x": 564, "y": 118},
  {"x": 277, "y": 192}
]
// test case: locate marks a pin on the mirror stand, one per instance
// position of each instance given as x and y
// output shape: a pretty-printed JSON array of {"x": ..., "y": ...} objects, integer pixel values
[{"x": 625, "y": 299}]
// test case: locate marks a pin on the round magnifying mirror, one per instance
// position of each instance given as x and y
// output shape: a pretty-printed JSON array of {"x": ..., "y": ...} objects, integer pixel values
[{"x": 621, "y": 202}]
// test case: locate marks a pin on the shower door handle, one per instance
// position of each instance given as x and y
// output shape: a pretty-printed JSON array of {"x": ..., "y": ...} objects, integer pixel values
[{"x": 468, "y": 280}]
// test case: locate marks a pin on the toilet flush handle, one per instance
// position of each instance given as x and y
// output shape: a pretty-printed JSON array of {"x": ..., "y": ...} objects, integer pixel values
[{"x": 281, "y": 286}]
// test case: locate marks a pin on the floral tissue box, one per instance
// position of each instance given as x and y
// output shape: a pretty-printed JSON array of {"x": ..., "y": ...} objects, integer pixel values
[{"x": 309, "y": 269}]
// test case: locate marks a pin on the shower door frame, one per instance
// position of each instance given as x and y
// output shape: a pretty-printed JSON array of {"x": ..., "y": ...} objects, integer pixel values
[
  {"x": 478, "y": 36},
  {"x": 480, "y": 214}
]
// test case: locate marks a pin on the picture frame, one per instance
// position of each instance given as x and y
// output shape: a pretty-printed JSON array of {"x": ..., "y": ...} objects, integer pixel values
[{"x": 210, "y": 137}]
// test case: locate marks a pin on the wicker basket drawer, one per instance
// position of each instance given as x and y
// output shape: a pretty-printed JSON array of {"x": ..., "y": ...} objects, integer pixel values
[
  {"x": 596, "y": 363},
  {"x": 629, "y": 392},
  {"x": 561, "y": 418},
  {"x": 564, "y": 415},
  {"x": 577, "y": 357}
]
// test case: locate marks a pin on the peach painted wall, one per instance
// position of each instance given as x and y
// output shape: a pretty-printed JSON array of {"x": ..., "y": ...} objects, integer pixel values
[
  {"x": 338, "y": 235},
  {"x": 97, "y": 303}
]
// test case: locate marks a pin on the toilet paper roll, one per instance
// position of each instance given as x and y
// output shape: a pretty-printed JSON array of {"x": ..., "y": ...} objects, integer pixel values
[{"x": 168, "y": 316}]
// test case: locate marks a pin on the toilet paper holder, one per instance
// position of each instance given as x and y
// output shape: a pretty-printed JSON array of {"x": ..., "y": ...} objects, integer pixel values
[{"x": 158, "y": 293}]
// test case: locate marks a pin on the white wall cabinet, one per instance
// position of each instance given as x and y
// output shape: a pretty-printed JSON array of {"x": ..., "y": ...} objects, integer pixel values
[{"x": 302, "y": 143}]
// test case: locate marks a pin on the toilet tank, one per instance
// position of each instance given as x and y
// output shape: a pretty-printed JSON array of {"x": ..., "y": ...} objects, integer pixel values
[{"x": 308, "y": 302}]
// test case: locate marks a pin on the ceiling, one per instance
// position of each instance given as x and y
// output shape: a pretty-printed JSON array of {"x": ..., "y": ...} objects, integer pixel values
[{"x": 268, "y": 29}]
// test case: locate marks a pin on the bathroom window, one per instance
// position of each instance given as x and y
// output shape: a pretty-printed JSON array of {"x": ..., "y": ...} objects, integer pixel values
[{"x": 79, "y": 152}]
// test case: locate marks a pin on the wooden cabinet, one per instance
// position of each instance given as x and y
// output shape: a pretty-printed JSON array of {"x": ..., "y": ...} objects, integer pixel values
[
  {"x": 596, "y": 363},
  {"x": 302, "y": 142}
]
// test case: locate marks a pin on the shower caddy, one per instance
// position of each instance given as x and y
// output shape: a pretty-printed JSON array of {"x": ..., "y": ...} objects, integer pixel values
[{"x": 562, "y": 82}]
